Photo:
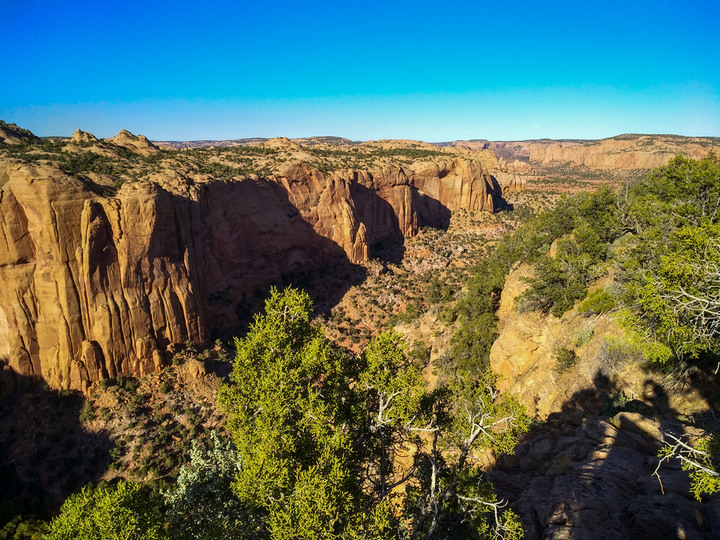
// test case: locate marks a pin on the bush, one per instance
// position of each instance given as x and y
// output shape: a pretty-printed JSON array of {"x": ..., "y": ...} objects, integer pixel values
[
  {"x": 614, "y": 354},
  {"x": 598, "y": 302},
  {"x": 87, "y": 414},
  {"x": 582, "y": 337},
  {"x": 126, "y": 510},
  {"x": 565, "y": 359}
]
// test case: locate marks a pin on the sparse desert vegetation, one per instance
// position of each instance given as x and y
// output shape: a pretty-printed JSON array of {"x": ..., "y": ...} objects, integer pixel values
[{"x": 367, "y": 407}]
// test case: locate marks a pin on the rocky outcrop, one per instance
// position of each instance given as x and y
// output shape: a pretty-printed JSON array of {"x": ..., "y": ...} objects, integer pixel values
[
  {"x": 94, "y": 286},
  {"x": 623, "y": 152},
  {"x": 137, "y": 143},
  {"x": 588, "y": 473},
  {"x": 81, "y": 137},
  {"x": 594, "y": 479},
  {"x": 524, "y": 355},
  {"x": 13, "y": 134}
]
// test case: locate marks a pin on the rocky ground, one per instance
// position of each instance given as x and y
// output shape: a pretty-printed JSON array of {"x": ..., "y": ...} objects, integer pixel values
[{"x": 593, "y": 478}]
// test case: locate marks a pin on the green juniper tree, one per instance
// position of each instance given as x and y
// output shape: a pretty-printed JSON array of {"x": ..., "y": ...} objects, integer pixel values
[{"x": 319, "y": 433}]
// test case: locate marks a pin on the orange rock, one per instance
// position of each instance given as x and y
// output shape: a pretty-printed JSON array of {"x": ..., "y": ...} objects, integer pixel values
[{"x": 94, "y": 286}]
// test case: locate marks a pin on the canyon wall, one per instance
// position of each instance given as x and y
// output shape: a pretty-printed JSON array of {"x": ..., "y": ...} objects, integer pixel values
[
  {"x": 624, "y": 152},
  {"x": 94, "y": 286}
]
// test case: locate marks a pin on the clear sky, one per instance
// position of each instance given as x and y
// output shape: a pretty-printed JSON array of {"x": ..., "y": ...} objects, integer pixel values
[{"x": 434, "y": 71}]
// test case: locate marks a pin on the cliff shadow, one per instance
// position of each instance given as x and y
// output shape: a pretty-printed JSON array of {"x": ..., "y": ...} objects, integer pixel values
[
  {"x": 430, "y": 211},
  {"x": 228, "y": 244},
  {"x": 500, "y": 204},
  {"x": 238, "y": 239},
  {"x": 46, "y": 453},
  {"x": 587, "y": 471},
  {"x": 385, "y": 237}
]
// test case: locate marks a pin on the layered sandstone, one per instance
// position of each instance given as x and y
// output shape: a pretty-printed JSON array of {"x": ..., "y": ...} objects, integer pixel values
[
  {"x": 94, "y": 286},
  {"x": 624, "y": 152}
]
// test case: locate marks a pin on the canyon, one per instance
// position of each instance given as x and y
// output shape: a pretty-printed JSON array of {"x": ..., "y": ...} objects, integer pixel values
[
  {"x": 106, "y": 270},
  {"x": 97, "y": 283},
  {"x": 122, "y": 259}
]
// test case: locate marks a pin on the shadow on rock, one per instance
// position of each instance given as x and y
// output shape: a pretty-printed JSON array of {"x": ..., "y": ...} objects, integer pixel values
[
  {"x": 46, "y": 453},
  {"x": 587, "y": 472}
]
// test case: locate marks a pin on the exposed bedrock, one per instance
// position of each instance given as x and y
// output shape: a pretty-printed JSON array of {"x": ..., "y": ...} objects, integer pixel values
[{"x": 94, "y": 286}]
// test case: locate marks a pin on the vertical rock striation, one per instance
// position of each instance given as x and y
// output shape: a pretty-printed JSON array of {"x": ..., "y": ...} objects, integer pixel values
[{"x": 94, "y": 286}]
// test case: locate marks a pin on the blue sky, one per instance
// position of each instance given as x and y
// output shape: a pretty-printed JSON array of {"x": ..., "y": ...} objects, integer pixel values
[{"x": 363, "y": 70}]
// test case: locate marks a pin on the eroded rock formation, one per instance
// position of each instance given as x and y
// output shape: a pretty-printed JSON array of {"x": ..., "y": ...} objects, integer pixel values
[
  {"x": 93, "y": 286},
  {"x": 624, "y": 152}
]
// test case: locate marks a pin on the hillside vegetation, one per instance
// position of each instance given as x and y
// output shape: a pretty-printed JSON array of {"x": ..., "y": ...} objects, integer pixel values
[
  {"x": 659, "y": 237},
  {"x": 327, "y": 443}
]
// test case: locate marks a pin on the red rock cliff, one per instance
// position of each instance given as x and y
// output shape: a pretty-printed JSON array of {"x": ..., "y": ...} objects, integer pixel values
[{"x": 93, "y": 286}]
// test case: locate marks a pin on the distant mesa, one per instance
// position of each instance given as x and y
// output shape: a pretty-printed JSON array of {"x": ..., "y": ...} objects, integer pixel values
[
  {"x": 81, "y": 136},
  {"x": 137, "y": 143}
]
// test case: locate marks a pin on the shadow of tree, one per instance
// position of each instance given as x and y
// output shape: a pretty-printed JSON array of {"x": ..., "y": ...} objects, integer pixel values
[{"x": 587, "y": 472}]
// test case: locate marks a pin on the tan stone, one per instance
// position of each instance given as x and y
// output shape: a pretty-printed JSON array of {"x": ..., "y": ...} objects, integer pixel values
[
  {"x": 137, "y": 143},
  {"x": 627, "y": 152},
  {"x": 94, "y": 286},
  {"x": 81, "y": 136}
]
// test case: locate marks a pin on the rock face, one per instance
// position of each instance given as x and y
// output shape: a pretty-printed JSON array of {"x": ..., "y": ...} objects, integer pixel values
[
  {"x": 137, "y": 143},
  {"x": 595, "y": 480},
  {"x": 93, "y": 286},
  {"x": 81, "y": 136},
  {"x": 640, "y": 152},
  {"x": 524, "y": 354},
  {"x": 625, "y": 152}
]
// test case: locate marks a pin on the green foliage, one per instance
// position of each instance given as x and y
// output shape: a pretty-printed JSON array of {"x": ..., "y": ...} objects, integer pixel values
[
  {"x": 565, "y": 359},
  {"x": 125, "y": 511},
  {"x": 560, "y": 282},
  {"x": 87, "y": 413},
  {"x": 669, "y": 267},
  {"x": 701, "y": 459},
  {"x": 615, "y": 402},
  {"x": 320, "y": 433},
  {"x": 90, "y": 162},
  {"x": 599, "y": 301},
  {"x": 285, "y": 407},
  {"x": 202, "y": 504},
  {"x": 704, "y": 476},
  {"x": 24, "y": 528}
]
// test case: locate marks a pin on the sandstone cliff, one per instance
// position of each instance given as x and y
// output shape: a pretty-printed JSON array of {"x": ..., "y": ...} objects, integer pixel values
[
  {"x": 590, "y": 471},
  {"x": 524, "y": 355},
  {"x": 624, "y": 152},
  {"x": 94, "y": 285}
]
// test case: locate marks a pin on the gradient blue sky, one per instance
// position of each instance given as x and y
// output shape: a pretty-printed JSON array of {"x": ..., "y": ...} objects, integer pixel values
[{"x": 433, "y": 71}]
